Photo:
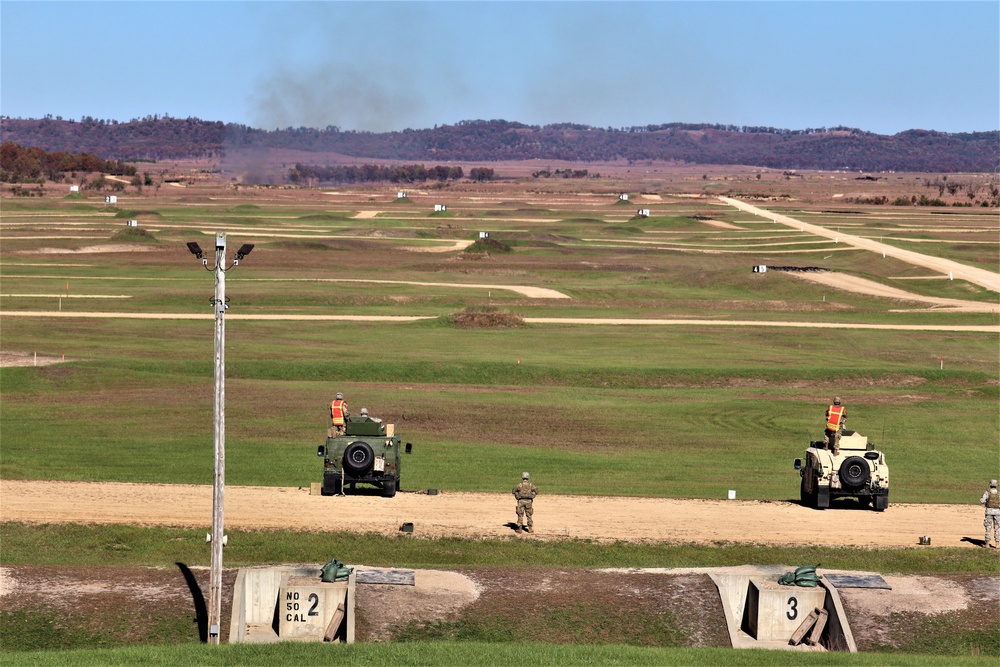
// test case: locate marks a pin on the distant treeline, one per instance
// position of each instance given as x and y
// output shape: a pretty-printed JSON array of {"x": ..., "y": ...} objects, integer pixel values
[
  {"x": 20, "y": 164},
  {"x": 155, "y": 138},
  {"x": 371, "y": 173}
]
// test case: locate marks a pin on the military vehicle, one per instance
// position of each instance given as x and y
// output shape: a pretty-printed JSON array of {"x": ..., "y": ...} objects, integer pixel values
[
  {"x": 858, "y": 470},
  {"x": 367, "y": 452}
]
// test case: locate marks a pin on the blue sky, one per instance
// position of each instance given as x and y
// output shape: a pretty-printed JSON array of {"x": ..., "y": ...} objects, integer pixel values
[{"x": 880, "y": 66}]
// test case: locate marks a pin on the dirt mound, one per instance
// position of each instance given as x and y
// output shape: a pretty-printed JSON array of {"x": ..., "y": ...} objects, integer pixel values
[
  {"x": 486, "y": 318},
  {"x": 488, "y": 245}
]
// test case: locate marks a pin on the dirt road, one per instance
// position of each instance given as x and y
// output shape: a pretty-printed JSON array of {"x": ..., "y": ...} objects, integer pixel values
[
  {"x": 988, "y": 279},
  {"x": 971, "y": 328},
  {"x": 487, "y": 515},
  {"x": 860, "y": 285}
]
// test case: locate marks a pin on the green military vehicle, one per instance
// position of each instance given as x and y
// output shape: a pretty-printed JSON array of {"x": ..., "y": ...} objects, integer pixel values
[
  {"x": 858, "y": 470},
  {"x": 367, "y": 452}
]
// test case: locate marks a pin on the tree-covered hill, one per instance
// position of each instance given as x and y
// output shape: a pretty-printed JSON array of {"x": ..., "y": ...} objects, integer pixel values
[{"x": 158, "y": 138}]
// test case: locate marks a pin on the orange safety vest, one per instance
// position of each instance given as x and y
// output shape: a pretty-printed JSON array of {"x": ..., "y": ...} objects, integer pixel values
[
  {"x": 834, "y": 415},
  {"x": 337, "y": 412}
]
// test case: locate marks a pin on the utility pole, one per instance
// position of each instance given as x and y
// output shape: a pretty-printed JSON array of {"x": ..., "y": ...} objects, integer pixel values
[{"x": 217, "y": 538}]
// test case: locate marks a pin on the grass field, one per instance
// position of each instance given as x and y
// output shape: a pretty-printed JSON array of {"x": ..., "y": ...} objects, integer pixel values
[
  {"x": 55, "y": 545},
  {"x": 596, "y": 407},
  {"x": 461, "y": 653},
  {"x": 660, "y": 411}
]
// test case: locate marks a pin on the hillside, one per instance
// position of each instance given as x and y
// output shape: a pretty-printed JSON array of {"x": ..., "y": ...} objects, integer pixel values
[{"x": 155, "y": 138}]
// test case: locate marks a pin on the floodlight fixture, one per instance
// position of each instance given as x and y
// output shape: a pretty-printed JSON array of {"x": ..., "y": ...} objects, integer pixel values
[
  {"x": 195, "y": 249},
  {"x": 244, "y": 251}
]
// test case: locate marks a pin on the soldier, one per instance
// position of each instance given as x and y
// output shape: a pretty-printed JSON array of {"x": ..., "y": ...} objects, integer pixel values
[
  {"x": 836, "y": 415},
  {"x": 339, "y": 413},
  {"x": 525, "y": 493},
  {"x": 365, "y": 418},
  {"x": 992, "y": 521}
]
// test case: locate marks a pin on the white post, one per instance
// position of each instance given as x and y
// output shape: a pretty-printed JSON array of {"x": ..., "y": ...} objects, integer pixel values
[{"x": 219, "y": 487}]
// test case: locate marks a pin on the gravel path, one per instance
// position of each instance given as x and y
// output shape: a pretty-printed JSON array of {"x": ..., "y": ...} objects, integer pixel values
[
  {"x": 988, "y": 279},
  {"x": 487, "y": 514}
]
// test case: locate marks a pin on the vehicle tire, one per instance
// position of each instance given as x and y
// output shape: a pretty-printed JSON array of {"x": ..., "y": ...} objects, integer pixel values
[
  {"x": 389, "y": 488},
  {"x": 338, "y": 487},
  {"x": 854, "y": 471},
  {"x": 808, "y": 499},
  {"x": 358, "y": 457},
  {"x": 880, "y": 503},
  {"x": 331, "y": 485}
]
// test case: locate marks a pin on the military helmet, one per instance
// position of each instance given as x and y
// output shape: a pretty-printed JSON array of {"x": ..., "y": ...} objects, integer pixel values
[
  {"x": 340, "y": 396},
  {"x": 525, "y": 475},
  {"x": 364, "y": 412},
  {"x": 993, "y": 483},
  {"x": 836, "y": 400}
]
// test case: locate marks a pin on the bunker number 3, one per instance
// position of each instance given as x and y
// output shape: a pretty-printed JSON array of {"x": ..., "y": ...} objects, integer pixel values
[{"x": 793, "y": 609}]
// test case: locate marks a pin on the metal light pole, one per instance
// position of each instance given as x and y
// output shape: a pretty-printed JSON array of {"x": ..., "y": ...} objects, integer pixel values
[{"x": 217, "y": 538}]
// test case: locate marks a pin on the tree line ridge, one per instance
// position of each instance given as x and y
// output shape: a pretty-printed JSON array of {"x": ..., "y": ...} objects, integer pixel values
[{"x": 161, "y": 138}]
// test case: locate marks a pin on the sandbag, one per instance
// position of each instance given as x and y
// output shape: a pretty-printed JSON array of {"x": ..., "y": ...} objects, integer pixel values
[
  {"x": 335, "y": 571},
  {"x": 802, "y": 576}
]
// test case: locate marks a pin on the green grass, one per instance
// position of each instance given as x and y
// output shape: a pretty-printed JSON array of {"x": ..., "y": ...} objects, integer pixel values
[
  {"x": 464, "y": 653},
  {"x": 701, "y": 407},
  {"x": 748, "y": 402},
  {"x": 63, "y": 544}
]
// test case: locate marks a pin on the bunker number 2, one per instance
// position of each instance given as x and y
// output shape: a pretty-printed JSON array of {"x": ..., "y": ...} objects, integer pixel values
[
  {"x": 793, "y": 609},
  {"x": 315, "y": 602}
]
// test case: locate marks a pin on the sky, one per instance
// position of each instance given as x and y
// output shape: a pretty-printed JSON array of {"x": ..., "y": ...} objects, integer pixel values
[{"x": 884, "y": 67}]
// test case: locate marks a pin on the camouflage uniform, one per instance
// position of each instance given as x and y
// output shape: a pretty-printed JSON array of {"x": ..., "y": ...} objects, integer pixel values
[
  {"x": 992, "y": 521},
  {"x": 525, "y": 493}
]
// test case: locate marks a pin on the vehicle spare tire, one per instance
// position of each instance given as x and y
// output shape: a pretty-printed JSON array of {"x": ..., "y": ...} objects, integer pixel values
[
  {"x": 358, "y": 457},
  {"x": 854, "y": 471}
]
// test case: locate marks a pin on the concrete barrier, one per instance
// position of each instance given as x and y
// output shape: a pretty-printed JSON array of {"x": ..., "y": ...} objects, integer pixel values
[
  {"x": 734, "y": 584},
  {"x": 283, "y": 603},
  {"x": 773, "y": 612}
]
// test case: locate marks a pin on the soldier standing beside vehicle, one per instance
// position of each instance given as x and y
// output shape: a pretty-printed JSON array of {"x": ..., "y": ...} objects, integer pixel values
[
  {"x": 339, "y": 413},
  {"x": 992, "y": 521},
  {"x": 836, "y": 415},
  {"x": 525, "y": 493}
]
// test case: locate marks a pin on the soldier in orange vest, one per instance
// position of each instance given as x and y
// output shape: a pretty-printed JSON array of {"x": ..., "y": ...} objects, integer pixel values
[
  {"x": 339, "y": 413},
  {"x": 836, "y": 415}
]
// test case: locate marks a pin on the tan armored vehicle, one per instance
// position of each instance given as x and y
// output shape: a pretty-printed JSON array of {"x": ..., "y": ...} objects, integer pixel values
[{"x": 857, "y": 470}]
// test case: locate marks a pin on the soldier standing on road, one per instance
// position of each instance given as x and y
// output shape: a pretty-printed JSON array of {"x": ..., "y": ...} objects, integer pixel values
[
  {"x": 992, "y": 521},
  {"x": 525, "y": 493},
  {"x": 339, "y": 413},
  {"x": 836, "y": 415}
]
